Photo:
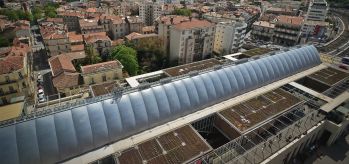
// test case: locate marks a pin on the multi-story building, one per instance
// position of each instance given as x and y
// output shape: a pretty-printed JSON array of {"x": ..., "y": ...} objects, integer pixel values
[
  {"x": 229, "y": 37},
  {"x": 314, "y": 23},
  {"x": 99, "y": 41},
  {"x": 191, "y": 41},
  {"x": 71, "y": 19},
  {"x": 317, "y": 10},
  {"x": 265, "y": 110},
  {"x": 88, "y": 26},
  {"x": 287, "y": 30},
  {"x": 15, "y": 74},
  {"x": 163, "y": 27},
  {"x": 101, "y": 72},
  {"x": 150, "y": 11},
  {"x": 263, "y": 30},
  {"x": 135, "y": 24},
  {"x": 55, "y": 38}
]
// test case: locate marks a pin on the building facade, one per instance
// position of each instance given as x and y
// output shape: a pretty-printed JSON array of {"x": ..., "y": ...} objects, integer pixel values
[
  {"x": 287, "y": 30},
  {"x": 191, "y": 41},
  {"x": 263, "y": 30},
  {"x": 317, "y": 10},
  {"x": 102, "y": 72},
  {"x": 229, "y": 37},
  {"x": 149, "y": 12}
]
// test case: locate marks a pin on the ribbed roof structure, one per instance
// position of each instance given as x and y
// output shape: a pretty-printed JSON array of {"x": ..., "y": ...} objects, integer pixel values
[{"x": 63, "y": 135}]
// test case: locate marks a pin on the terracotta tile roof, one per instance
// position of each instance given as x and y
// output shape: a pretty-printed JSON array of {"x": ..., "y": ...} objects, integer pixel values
[
  {"x": 61, "y": 63},
  {"x": 135, "y": 35},
  {"x": 117, "y": 42},
  {"x": 290, "y": 20},
  {"x": 10, "y": 64},
  {"x": 95, "y": 68},
  {"x": 75, "y": 55},
  {"x": 55, "y": 20},
  {"x": 75, "y": 48},
  {"x": 73, "y": 37},
  {"x": 148, "y": 29},
  {"x": 176, "y": 19},
  {"x": 66, "y": 80},
  {"x": 194, "y": 24},
  {"x": 95, "y": 38},
  {"x": 87, "y": 23}
]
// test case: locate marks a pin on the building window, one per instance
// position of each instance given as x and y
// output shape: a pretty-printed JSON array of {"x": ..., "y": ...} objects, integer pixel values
[
  {"x": 92, "y": 81},
  {"x": 104, "y": 78},
  {"x": 11, "y": 88},
  {"x": 7, "y": 78}
]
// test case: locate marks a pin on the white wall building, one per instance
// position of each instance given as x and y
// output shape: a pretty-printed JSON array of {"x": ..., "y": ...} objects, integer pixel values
[
  {"x": 191, "y": 41},
  {"x": 317, "y": 10},
  {"x": 229, "y": 37},
  {"x": 149, "y": 12}
]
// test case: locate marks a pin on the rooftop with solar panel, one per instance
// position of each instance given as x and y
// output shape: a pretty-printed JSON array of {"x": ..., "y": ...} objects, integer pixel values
[{"x": 217, "y": 112}]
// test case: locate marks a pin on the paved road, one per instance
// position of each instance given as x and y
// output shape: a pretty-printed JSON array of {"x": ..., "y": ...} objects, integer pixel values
[{"x": 335, "y": 154}]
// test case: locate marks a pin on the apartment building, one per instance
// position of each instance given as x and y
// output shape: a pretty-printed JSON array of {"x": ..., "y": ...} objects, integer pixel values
[
  {"x": 149, "y": 12},
  {"x": 314, "y": 23},
  {"x": 263, "y": 30},
  {"x": 135, "y": 24},
  {"x": 287, "y": 30},
  {"x": 229, "y": 37},
  {"x": 317, "y": 10},
  {"x": 15, "y": 73},
  {"x": 101, "y": 72},
  {"x": 163, "y": 27},
  {"x": 191, "y": 41},
  {"x": 88, "y": 26},
  {"x": 99, "y": 41},
  {"x": 71, "y": 19},
  {"x": 55, "y": 38}
]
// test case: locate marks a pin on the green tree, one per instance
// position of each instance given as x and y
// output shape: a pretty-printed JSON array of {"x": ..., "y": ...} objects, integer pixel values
[
  {"x": 184, "y": 12},
  {"x": 12, "y": 15},
  {"x": 92, "y": 57},
  {"x": 4, "y": 42},
  {"x": 128, "y": 58}
]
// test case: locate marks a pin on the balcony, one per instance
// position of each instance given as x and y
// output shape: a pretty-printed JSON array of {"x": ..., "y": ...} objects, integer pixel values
[{"x": 8, "y": 93}]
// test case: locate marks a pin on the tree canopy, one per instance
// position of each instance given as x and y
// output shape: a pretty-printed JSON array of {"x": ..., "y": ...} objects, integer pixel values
[
  {"x": 92, "y": 57},
  {"x": 128, "y": 58},
  {"x": 184, "y": 12},
  {"x": 15, "y": 15}
]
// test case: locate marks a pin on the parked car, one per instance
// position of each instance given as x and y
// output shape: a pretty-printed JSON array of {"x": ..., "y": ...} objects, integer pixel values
[
  {"x": 41, "y": 100},
  {"x": 40, "y": 91}
]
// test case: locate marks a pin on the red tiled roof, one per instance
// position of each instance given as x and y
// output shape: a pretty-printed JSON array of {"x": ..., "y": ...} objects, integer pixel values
[
  {"x": 66, "y": 80},
  {"x": 290, "y": 20},
  {"x": 75, "y": 48},
  {"x": 10, "y": 64},
  {"x": 194, "y": 24},
  {"x": 176, "y": 19},
  {"x": 61, "y": 63},
  {"x": 94, "y": 68},
  {"x": 73, "y": 37}
]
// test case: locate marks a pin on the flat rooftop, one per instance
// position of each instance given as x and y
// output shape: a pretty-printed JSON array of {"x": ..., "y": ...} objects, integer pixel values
[
  {"x": 184, "y": 69},
  {"x": 250, "y": 113},
  {"x": 329, "y": 76},
  {"x": 256, "y": 52},
  {"x": 102, "y": 89},
  {"x": 178, "y": 146}
]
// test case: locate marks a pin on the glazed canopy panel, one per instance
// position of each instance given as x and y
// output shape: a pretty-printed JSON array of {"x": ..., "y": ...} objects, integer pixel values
[{"x": 63, "y": 135}]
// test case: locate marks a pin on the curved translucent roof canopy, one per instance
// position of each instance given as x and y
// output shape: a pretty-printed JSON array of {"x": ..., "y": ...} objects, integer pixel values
[{"x": 70, "y": 133}]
